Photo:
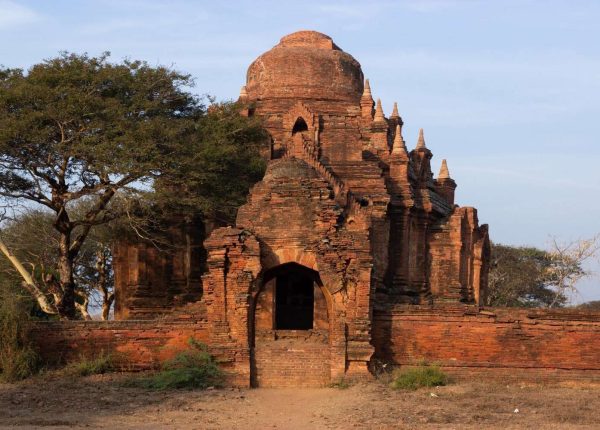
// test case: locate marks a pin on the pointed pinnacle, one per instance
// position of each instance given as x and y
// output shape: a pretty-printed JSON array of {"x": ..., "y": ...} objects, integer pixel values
[
  {"x": 379, "y": 117},
  {"x": 243, "y": 92},
  {"x": 444, "y": 172},
  {"x": 366, "y": 96},
  {"x": 367, "y": 91},
  {"x": 395, "y": 111},
  {"x": 398, "y": 147},
  {"x": 421, "y": 141}
]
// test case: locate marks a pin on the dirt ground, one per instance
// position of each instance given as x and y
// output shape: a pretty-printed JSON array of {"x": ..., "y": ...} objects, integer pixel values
[{"x": 102, "y": 401}]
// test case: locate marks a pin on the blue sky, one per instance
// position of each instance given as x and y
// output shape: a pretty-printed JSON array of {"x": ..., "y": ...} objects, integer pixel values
[{"x": 507, "y": 91}]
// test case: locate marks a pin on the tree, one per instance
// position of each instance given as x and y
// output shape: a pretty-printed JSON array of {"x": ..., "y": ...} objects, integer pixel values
[
  {"x": 94, "y": 273},
  {"x": 531, "y": 277},
  {"x": 78, "y": 128},
  {"x": 214, "y": 172},
  {"x": 35, "y": 244},
  {"x": 567, "y": 268},
  {"x": 32, "y": 256},
  {"x": 593, "y": 305},
  {"x": 518, "y": 278}
]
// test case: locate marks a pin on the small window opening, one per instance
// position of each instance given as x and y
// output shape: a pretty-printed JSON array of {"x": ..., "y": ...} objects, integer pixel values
[{"x": 299, "y": 126}]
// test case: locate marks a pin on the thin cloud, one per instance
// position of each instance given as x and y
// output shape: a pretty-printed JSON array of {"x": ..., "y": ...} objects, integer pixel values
[
  {"x": 525, "y": 177},
  {"x": 483, "y": 90},
  {"x": 109, "y": 27},
  {"x": 146, "y": 19},
  {"x": 432, "y": 6},
  {"x": 357, "y": 10},
  {"x": 13, "y": 14}
]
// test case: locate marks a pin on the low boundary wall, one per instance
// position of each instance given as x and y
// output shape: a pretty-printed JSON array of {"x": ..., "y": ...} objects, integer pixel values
[
  {"x": 516, "y": 343},
  {"x": 134, "y": 345},
  {"x": 539, "y": 343}
]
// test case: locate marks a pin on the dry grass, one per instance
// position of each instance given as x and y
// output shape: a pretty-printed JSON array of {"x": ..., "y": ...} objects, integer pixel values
[
  {"x": 18, "y": 359},
  {"x": 102, "y": 400},
  {"x": 86, "y": 366}
]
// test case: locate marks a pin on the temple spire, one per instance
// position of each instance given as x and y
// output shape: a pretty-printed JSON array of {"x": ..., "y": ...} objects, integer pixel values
[
  {"x": 395, "y": 111},
  {"x": 398, "y": 147},
  {"x": 379, "y": 117},
  {"x": 444, "y": 172},
  {"x": 367, "y": 90},
  {"x": 421, "y": 141},
  {"x": 243, "y": 93},
  {"x": 366, "y": 103}
]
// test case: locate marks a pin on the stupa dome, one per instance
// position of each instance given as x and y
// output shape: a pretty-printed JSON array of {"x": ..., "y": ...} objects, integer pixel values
[{"x": 305, "y": 65}]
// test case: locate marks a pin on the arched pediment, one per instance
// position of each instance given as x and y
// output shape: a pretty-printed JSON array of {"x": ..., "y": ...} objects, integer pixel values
[
  {"x": 290, "y": 255},
  {"x": 300, "y": 111}
]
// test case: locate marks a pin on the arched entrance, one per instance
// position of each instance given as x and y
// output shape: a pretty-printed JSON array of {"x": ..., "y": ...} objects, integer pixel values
[
  {"x": 291, "y": 329},
  {"x": 294, "y": 299}
]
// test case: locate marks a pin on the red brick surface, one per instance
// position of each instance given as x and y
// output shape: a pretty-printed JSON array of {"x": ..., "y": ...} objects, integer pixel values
[
  {"x": 135, "y": 345},
  {"x": 545, "y": 342},
  {"x": 292, "y": 360},
  {"x": 493, "y": 343}
]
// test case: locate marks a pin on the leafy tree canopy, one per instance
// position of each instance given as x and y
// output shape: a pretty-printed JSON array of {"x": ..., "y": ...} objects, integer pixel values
[
  {"x": 521, "y": 277},
  {"x": 531, "y": 277},
  {"x": 214, "y": 172},
  {"x": 119, "y": 137}
]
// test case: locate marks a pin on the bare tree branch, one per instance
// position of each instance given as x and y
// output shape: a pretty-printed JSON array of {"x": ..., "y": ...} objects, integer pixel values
[{"x": 568, "y": 259}]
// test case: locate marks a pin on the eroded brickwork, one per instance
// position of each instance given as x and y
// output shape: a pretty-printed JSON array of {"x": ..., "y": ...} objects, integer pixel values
[
  {"x": 132, "y": 345},
  {"x": 292, "y": 217},
  {"x": 151, "y": 280},
  {"x": 538, "y": 345},
  {"x": 535, "y": 343},
  {"x": 344, "y": 197},
  {"x": 347, "y": 222}
]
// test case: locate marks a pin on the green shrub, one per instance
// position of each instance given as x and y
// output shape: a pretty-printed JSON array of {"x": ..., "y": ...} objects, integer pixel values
[
  {"x": 417, "y": 377},
  {"x": 18, "y": 359},
  {"x": 191, "y": 369},
  {"x": 90, "y": 366}
]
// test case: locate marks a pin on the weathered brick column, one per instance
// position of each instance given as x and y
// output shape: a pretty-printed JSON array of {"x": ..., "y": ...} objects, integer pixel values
[{"x": 233, "y": 266}]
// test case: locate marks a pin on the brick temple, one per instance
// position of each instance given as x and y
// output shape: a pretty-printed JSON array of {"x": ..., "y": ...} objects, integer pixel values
[
  {"x": 347, "y": 254},
  {"x": 348, "y": 221}
]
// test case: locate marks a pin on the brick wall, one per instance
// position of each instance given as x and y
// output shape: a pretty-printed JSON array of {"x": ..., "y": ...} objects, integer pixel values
[
  {"x": 292, "y": 359},
  {"x": 530, "y": 344},
  {"x": 135, "y": 345},
  {"x": 505, "y": 342}
]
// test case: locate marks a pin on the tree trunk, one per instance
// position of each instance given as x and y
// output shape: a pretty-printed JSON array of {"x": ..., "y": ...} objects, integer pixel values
[
  {"x": 106, "y": 304},
  {"x": 28, "y": 283},
  {"x": 66, "y": 304},
  {"x": 83, "y": 308},
  {"x": 102, "y": 267}
]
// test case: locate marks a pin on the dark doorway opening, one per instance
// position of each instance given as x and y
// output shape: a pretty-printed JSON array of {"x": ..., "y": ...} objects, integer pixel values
[
  {"x": 299, "y": 126},
  {"x": 294, "y": 299}
]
